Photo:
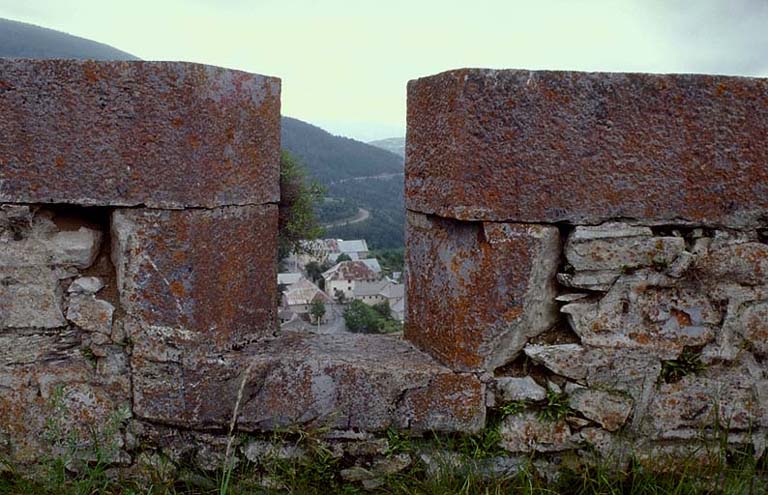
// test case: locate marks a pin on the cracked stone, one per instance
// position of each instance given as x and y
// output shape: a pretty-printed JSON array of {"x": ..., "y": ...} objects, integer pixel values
[
  {"x": 364, "y": 382},
  {"x": 451, "y": 263},
  {"x": 610, "y": 410}
]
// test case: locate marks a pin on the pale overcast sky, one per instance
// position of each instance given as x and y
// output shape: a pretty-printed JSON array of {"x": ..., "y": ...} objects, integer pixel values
[{"x": 345, "y": 63}]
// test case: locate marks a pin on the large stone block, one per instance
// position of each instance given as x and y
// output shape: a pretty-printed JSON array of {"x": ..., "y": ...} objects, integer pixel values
[
  {"x": 526, "y": 146},
  {"x": 360, "y": 382},
  {"x": 202, "y": 278},
  {"x": 159, "y": 134},
  {"x": 478, "y": 291}
]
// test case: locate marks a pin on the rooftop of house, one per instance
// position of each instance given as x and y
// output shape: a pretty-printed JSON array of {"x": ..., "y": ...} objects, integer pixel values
[
  {"x": 352, "y": 270},
  {"x": 305, "y": 292},
  {"x": 288, "y": 278}
]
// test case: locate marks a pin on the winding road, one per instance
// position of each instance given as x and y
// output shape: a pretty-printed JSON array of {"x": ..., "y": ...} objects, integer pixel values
[{"x": 362, "y": 216}]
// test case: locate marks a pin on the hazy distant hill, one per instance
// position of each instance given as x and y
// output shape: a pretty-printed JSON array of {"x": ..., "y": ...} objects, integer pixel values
[
  {"x": 21, "y": 40},
  {"x": 336, "y": 162},
  {"x": 394, "y": 145}
]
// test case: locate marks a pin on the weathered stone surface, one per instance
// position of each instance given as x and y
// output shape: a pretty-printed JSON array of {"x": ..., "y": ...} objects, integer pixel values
[
  {"x": 346, "y": 381},
  {"x": 91, "y": 314},
  {"x": 30, "y": 297},
  {"x": 627, "y": 370},
  {"x": 527, "y": 433},
  {"x": 205, "y": 276},
  {"x": 695, "y": 403},
  {"x": 51, "y": 393},
  {"x": 742, "y": 263},
  {"x": 477, "y": 292},
  {"x": 76, "y": 248},
  {"x": 754, "y": 324},
  {"x": 610, "y": 410},
  {"x": 636, "y": 314},
  {"x": 158, "y": 134},
  {"x": 619, "y": 247},
  {"x": 519, "y": 388},
  {"x": 540, "y": 146}
]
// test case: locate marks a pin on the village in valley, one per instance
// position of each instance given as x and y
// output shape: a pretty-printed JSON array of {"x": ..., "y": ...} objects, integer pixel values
[{"x": 337, "y": 285}]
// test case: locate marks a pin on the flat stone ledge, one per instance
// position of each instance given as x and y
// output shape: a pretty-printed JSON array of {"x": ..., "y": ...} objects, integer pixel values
[
  {"x": 363, "y": 382},
  {"x": 538, "y": 146},
  {"x": 159, "y": 134}
]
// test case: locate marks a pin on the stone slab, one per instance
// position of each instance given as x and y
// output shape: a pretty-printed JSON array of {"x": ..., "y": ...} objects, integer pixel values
[
  {"x": 540, "y": 146},
  {"x": 477, "y": 292},
  {"x": 201, "y": 278},
  {"x": 350, "y": 382},
  {"x": 160, "y": 134}
]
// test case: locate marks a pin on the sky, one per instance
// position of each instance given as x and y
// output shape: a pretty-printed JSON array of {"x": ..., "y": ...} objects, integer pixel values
[{"x": 345, "y": 63}]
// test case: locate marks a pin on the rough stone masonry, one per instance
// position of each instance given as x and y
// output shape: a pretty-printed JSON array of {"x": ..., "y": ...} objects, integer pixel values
[
  {"x": 598, "y": 242},
  {"x": 587, "y": 270},
  {"x": 138, "y": 294}
]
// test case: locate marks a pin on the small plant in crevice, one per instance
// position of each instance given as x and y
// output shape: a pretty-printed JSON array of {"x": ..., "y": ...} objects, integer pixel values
[
  {"x": 555, "y": 406},
  {"x": 673, "y": 370},
  {"x": 78, "y": 459},
  {"x": 513, "y": 408}
]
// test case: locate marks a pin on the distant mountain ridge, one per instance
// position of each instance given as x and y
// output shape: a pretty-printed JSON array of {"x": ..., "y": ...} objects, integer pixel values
[
  {"x": 333, "y": 160},
  {"x": 22, "y": 40},
  {"x": 394, "y": 145}
]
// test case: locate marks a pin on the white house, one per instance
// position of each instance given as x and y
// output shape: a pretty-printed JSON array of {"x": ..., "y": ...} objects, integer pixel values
[
  {"x": 350, "y": 276},
  {"x": 299, "y": 297}
]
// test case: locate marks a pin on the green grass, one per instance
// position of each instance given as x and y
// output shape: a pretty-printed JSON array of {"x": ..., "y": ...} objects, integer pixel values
[{"x": 317, "y": 475}]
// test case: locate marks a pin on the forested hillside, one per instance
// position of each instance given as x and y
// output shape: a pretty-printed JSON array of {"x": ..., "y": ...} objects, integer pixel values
[
  {"x": 21, "y": 40},
  {"x": 356, "y": 175},
  {"x": 331, "y": 158}
]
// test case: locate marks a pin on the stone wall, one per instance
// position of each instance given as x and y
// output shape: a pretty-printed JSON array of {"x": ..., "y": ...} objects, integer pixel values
[
  {"x": 138, "y": 232},
  {"x": 587, "y": 271},
  {"x": 138, "y": 294},
  {"x": 599, "y": 244}
]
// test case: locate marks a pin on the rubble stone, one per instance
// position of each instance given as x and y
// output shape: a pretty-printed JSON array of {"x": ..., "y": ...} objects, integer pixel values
[
  {"x": 467, "y": 306},
  {"x": 610, "y": 410},
  {"x": 635, "y": 314},
  {"x": 619, "y": 247},
  {"x": 526, "y": 432},
  {"x": 86, "y": 285},
  {"x": 30, "y": 297},
  {"x": 76, "y": 248},
  {"x": 524, "y": 388},
  {"x": 91, "y": 314}
]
